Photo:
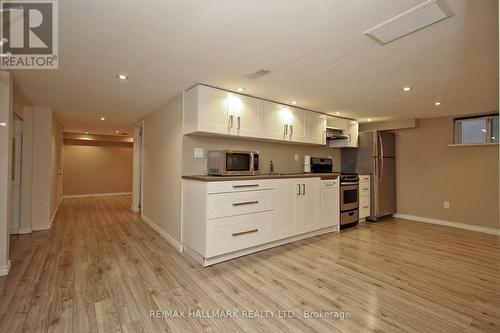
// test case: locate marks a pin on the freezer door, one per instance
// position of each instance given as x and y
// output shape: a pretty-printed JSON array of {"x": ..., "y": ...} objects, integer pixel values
[{"x": 384, "y": 179}]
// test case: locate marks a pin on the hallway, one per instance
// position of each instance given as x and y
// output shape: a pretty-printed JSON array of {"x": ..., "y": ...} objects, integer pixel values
[{"x": 101, "y": 269}]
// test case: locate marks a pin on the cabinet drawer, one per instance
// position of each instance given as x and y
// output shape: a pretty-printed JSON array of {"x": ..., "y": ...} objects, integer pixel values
[
  {"x": 230, "y": 204},
  {"x": 364, "y": 178},
  {"x": 238, "y": 232},
  {"x": 364, "y": 189},
  {"x": 364, "y": 207},
  {"x": 239, "y": 186}
]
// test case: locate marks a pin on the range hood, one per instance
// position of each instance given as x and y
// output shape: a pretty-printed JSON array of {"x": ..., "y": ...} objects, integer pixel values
[{"x": 335, "y": 134}]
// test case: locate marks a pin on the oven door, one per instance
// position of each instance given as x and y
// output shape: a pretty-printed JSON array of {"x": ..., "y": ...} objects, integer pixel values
[
  {"x": 238, "y": 163},
  {"x": 349, "y": 196}
]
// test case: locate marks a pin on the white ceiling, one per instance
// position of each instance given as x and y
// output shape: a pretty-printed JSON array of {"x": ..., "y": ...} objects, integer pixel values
[{"x": 315, "y": 50}]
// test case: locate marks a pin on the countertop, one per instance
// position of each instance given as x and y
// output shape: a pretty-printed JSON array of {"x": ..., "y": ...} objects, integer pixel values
[{"x": 205, "y": 178}]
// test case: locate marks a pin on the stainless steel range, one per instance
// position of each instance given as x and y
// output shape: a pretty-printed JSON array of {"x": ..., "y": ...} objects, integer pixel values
[{"x": 349, "y": 203}]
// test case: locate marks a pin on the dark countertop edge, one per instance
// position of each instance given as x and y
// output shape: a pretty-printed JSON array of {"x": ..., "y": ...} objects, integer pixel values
[{"x": 205, "y": 178}]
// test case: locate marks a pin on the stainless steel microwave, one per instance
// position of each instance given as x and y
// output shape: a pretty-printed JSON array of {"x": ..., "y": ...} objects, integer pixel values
[{"x": 232, "y": 162}]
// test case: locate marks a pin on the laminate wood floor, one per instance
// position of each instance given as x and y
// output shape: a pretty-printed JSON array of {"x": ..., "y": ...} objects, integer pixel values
[{"x": 100, "y": 269}]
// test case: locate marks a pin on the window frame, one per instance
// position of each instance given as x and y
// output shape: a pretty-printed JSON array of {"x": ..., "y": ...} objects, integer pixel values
[{"x": 457, "y": 129}]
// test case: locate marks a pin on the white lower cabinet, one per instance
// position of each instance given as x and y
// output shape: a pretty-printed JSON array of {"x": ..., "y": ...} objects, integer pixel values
[
  {"x": 330, "y": 203},
  {"x": 223, "y": 220},
  {"x": 364, "y": 196}
]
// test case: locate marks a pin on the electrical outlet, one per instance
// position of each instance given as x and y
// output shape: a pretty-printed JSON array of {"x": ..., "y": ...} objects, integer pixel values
[
  {"x": 296, "y": 157},
  {"x": 446, "y": 204},
  {"x": 198, "y": 152}
]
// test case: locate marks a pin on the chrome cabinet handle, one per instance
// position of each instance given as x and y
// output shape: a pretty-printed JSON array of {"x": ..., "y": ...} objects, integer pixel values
[
  {"x": 230, "y": 121},
  {"x": 291, "y": 130},
  {"x": 298, "y": 186},
  {"x": 286, "y": 129},
  {"x": 303, "y": 189},
  {"x": 244, "y": 232},
  {"x": 243, "y": 186},
  {"x": 239, "y": 122},
  {"x": 246, "y": 203}
]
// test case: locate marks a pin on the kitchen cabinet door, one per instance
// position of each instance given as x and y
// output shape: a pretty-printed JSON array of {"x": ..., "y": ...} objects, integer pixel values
[
  {"x": 338, "y": 123},
  {"x": 272, "y": 123},
  {"x": 286, "y": 194},
  {"x": 316, "y": 128},
  {"x": 352, "y": 132},
  {"x": 247, "y": 113},
  {"x": 307, "y": 209},
  {"x": 297, "y": 128},
  {"x": 215, "y": 115}
]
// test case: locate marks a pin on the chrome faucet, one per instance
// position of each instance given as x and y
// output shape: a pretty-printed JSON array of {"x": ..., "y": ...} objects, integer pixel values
[{"x": 271, "y": 167}]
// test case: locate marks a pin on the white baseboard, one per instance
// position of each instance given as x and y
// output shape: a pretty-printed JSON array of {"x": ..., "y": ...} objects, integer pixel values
[
  {"x": 163, "y": 234},
  {"x": 24, "y": 231},
  {"x": 465, "y": 226},
  {"x": 41, "y": 227},
  {"x": 55, "y": 212},
  {"x": 5, "y": 269},
  {"x": 95, "y": 195}
]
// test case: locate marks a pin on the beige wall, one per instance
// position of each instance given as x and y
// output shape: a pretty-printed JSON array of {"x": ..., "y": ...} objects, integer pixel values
[
  {"x": 56, "y": 165},
  {"x": 389, "y": 125},
  {"x": 282, "y": 155},
  {"x": 429, "y": 172},
  {"x": 162, "y": 168},
  {"x": 96, "y": 167},
  {"x": 41, "y": 186}
]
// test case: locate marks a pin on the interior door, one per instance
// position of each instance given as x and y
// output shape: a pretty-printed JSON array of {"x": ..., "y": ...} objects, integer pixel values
[
  {"x": 215, "y": 113},
  {"x": 17, "y": 138},
  {"x": 247, "y": 113},
  {"x": 385, "y": 191},
  {"x": 272, "y": 123}
]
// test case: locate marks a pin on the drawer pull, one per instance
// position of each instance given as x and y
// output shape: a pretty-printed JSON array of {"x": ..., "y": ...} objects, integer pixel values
[
  {"x": 244, "y": 232},
  {"x": 246, "y": 203},
  {"x": 365, "y": 189},
  {"x": 243, "y": 186},
  {"x": 365, "y": 207}
]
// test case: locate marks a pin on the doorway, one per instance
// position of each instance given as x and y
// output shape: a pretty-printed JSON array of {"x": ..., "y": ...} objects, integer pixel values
[{"x": 17, "y": 147}]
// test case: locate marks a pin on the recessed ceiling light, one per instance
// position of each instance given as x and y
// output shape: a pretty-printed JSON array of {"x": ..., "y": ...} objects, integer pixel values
[
  {"x": 406, "y": 89},
  {"x": 3, "y": 124},
  {"x": 294, "y": 102},
  {"x": 122, "y": 77},
  {"x": 437, "y": 103},
  {"x": 117, "y": 131},
  {"x": 337, "y": 113},
  {"x": 484, "y": 130},
  {"x": 86, "y": 132},
  {"x": 240, "y": 89},
  {"x": 102, "y": 118},
  {"x": 369, "y": 119}
]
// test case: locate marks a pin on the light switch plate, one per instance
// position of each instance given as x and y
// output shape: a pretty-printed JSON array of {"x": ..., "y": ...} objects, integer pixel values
[
  {"x": 446, "y": 204},
  {"x": 198, "y": 152}
]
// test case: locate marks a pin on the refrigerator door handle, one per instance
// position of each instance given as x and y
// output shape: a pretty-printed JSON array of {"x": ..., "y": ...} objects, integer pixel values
[
  {"x": 381, "y": 145},
  {"x": 381, "y": 168}
]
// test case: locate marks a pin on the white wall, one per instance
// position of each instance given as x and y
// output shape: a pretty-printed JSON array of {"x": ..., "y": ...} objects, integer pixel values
[
  {"x": 6, "y": 97},
  {"x": 162, "y": 168}
]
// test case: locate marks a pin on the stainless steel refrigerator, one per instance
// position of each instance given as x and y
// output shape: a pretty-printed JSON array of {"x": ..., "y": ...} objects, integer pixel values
[{"x": 377, "y": 156}]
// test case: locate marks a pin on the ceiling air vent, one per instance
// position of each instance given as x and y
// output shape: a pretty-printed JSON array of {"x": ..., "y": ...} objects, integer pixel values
[
  {"x": 257, "y": 74},
  {"x": 427, "y": 13}
]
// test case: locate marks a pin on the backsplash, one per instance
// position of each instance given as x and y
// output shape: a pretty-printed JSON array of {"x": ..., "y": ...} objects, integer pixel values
[{"x": 282, "y": 154}]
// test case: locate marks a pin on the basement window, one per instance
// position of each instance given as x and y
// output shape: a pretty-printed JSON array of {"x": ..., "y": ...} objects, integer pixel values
[{"x": 476, "y": 130}]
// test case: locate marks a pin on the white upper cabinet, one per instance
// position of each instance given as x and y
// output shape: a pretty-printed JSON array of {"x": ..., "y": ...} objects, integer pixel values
[
  {"x": 316, "y": 128},
  {"x": 349, "y": 127},
  {"x": 338, "y": 123},
  {"x": 247, "y": 113},
  {"x": 211, "y": 110},
  {"x": 297, "y": 122},
  {"x": 352, "y": 132},
  {"x": 273, "y": 126}
]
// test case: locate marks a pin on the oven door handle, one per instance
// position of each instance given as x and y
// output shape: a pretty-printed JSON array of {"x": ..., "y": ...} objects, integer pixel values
[{"x": 350, "y": 183}]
